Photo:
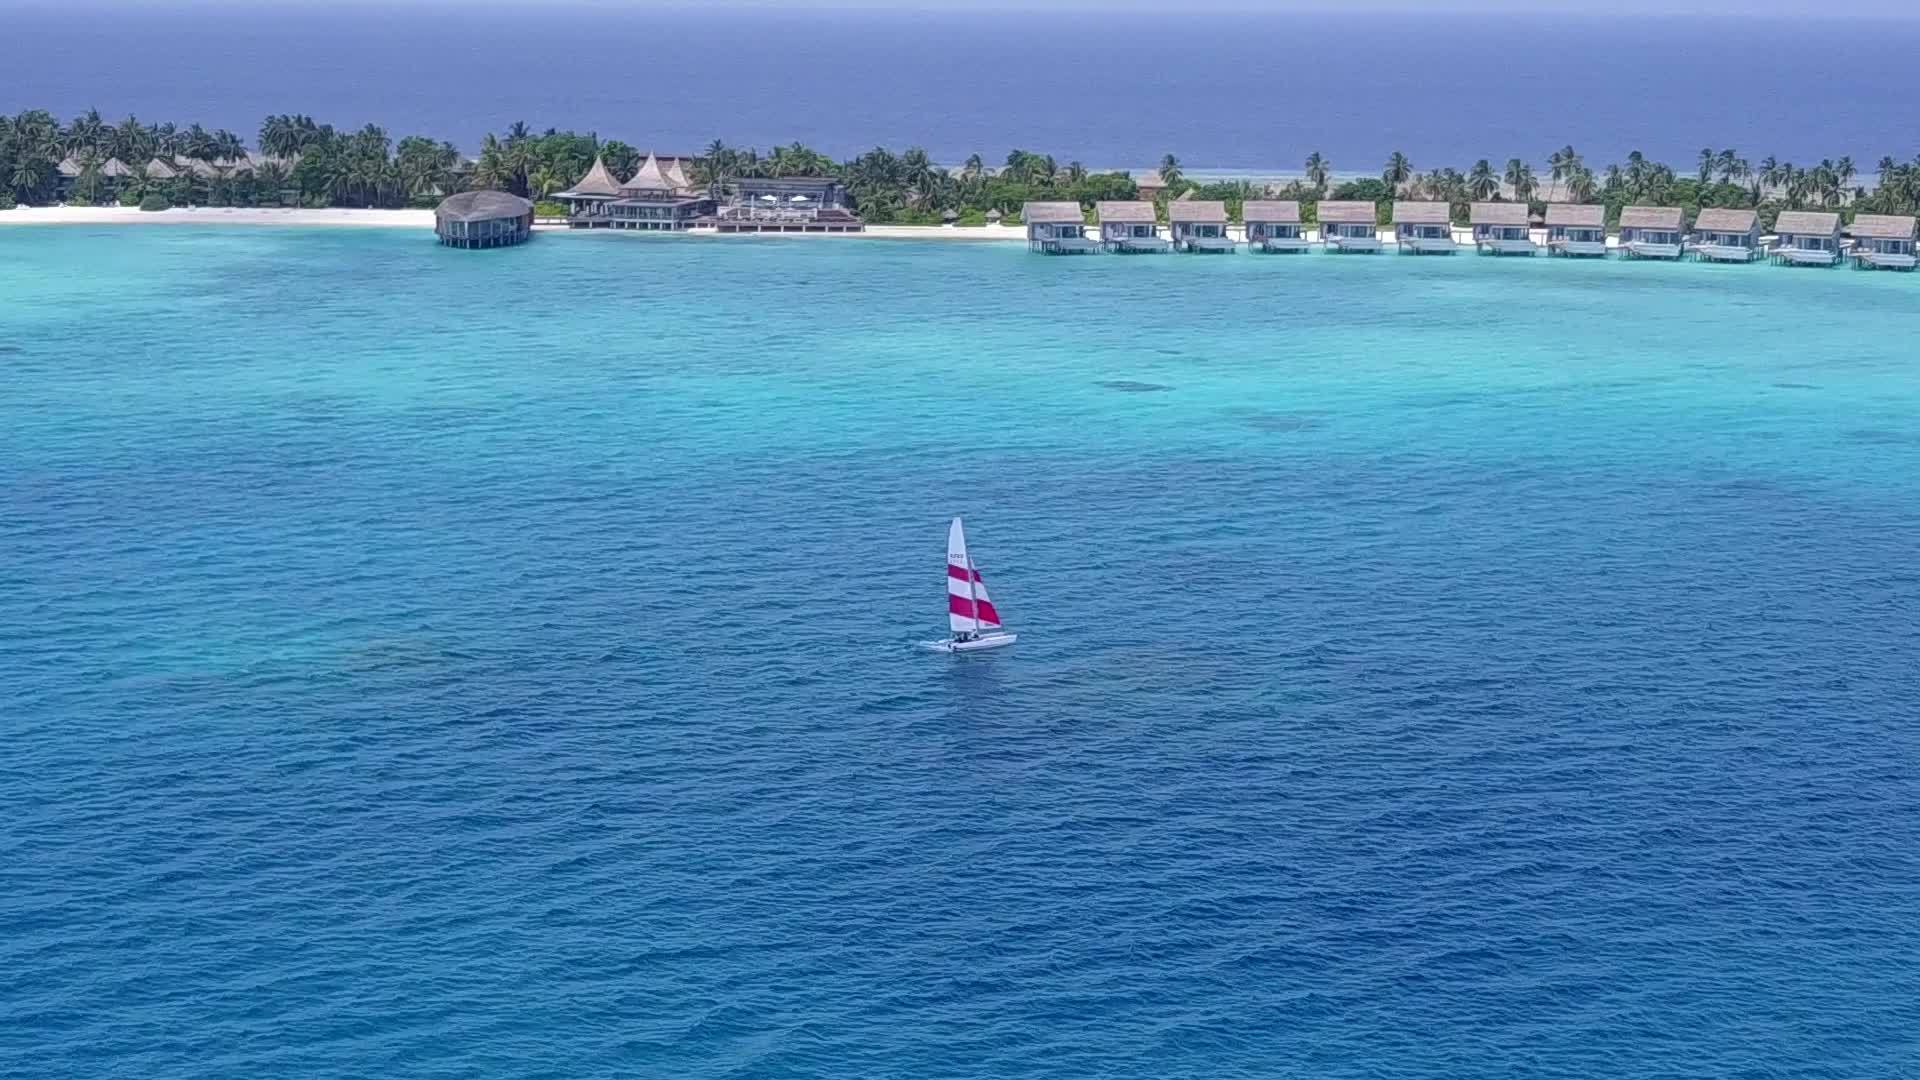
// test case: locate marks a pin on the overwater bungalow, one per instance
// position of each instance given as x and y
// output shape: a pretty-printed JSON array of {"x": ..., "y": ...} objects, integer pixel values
[
  {"x": 1273, "y": 225},
  {"x": 1727, "y": 236},
  {"x": 1056, "y": 228},
  {"x": 1576, "y": 229},
  {"x": 1502, "y": 228},
  {"x": 1423, "y": 228},
  {"x": 1348, "y": 226},
  {"x": 649, "y": 201},
  {"x": 791, "y": 204},
  {"x": 1883, "y": 241},
  {"x": 1199, "y": 225},
  {"x": 1806, "y": 238},
  {"x": 483, "y": 219},
  {"x": 587, "y": 200},
  {"x": 1651, "y": 232},
  {"x": 1129, "y": 228}
]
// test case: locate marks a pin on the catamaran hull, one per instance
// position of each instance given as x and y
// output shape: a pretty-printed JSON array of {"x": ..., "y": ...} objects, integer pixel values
[{"x": 984, "y": 641}]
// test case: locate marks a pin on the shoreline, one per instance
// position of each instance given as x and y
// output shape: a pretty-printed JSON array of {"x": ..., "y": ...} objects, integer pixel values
[{"x": 337, "y": 217}]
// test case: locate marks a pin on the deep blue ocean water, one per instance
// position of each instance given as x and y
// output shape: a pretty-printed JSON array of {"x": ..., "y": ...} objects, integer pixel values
[
  {"x": 1223, "y": 91},
  {"x": 421, "y": 663}
]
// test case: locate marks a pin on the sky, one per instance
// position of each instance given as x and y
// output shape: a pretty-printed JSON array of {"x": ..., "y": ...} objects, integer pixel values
[{"x": 1820, "y": 9}]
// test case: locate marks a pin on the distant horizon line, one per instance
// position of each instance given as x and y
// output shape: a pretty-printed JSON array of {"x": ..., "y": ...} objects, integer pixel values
[{"x": 879, "y": 9}]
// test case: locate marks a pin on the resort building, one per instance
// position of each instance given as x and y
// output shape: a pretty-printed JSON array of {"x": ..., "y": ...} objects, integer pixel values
[
  {"x": 1883, "y": 241},
  {"x": 1576, "y": 229},
  {"x": 160, "y": 170},
  {"x": 1651, "y": 232},
  {"x": 1348, "y": 226},
  {"x": 587, "y": 200},
  {"x": 1502, "y": 228},
  {"x": 649, "y": 201},
  {"x": 1807, "y": 238},
  {"x": 1423, "y": 228},
  {"x": 792, "y": 204},
  {"x": 483, "y": 219},
  {"x": 1129, "y": 228},
  {"x": 71, "y": 169},
  {"x": 1199, "y": 225},
  {"x": 1056, "y": 228},
  {"x": 1727, "y": 235},
  {"x": 1273, "y": 225}
]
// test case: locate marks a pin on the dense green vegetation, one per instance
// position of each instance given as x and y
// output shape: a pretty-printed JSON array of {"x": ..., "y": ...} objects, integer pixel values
[{"x": 305, "y": 163}]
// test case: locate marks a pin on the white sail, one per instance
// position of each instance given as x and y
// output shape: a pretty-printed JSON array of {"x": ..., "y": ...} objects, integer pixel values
[{"x": 960, "y": 605}]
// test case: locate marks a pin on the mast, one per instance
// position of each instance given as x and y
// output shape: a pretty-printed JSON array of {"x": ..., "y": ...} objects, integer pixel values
[{"x": 973, "y": 592}]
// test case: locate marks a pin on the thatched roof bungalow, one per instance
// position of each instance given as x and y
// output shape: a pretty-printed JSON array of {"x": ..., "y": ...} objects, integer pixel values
[
  {"x": 483, "y": 219},
  {"x": 1273, "y": 225},
  {"x": 1651, "y": 232},
  {"x": 1199, "y": 225},
  {"x": 1423, "y": 227},
  {"x": 1883, "y": 241},
  {"x": 1056, "y": 228},
  {"x": 1807, "y": 238},
  {"x": 160, "y": 170},
  {"x": 1727, "y": 235},
  {"x": 1502, "y": 228},
  {"x": 1576, "y": 229},
  {"x": 1347, "y": 225},
  {"x": 1130, "y": 228}
]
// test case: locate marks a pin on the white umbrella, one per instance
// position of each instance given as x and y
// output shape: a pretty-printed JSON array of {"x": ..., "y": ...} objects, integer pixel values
[
  {"x": 799, "y": 198},
  {"x": 769, "y": 198}
]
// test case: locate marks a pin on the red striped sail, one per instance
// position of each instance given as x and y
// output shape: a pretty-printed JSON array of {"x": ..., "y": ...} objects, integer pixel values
[{"x": 968, "y": 608}]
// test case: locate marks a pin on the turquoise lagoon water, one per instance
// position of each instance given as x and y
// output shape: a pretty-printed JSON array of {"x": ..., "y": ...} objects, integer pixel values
[{"x": 427, "y": 663}]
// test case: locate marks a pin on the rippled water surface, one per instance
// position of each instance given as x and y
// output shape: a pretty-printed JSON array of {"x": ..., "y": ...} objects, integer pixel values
[{"x": 428, "y": 663}]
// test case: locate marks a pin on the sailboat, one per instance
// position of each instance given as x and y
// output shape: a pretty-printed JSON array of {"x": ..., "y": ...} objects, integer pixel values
[{"x": 971, "y": 617}]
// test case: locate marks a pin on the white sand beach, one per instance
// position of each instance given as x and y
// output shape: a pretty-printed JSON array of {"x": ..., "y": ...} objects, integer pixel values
[{"x": 411, "y": 219}]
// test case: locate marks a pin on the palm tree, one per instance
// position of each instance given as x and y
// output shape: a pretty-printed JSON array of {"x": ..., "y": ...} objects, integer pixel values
[
  {"x": 1769, "y": 175},
  {"x": 1636, "y": 173},
  {"x": 974, "y": 169},
  {"x": 1707, "y": 158},
  {"x": 1843, "y": 173},
  {"x": 1481, "y": 181},
  {"x": 1169, "y": 170},
  {"x": 1726, "y": 163},
  {"x": 1519, "y": 178},
  {"x": 1319, "y": 172},
  {"x": 1615, "y": 180},
  {"x": 1564, "y": 163},
  {"x": 1397, "y": 172},
  {"x": 1076, "y": 173},
  {"x": 1580, "y": 185}
]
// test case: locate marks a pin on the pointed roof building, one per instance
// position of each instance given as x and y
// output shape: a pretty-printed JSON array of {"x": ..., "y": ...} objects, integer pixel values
[
  {"x": 678, "y": 177},
  {"x": 160, "y": 170},
  {"x": 598, "y": 181},
  {"x": 648, "y": 178},
  {"x": 115, "y": 168}
]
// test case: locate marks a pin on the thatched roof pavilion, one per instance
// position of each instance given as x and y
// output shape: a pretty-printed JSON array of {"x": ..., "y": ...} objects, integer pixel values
[
  {"x": 160, "y": 170},
  {"x": 1347, "y": 225},
  {"x": 1884, "y": 241},
  {"x": 1273, "y": 225},
  {"x": 648, "y": 177},
  {"x": 598, "y": 182},
  {"x": 1807, "y": 238},
  {"x": 1576, "y": 229},
  {"x": 483, "y": 219},
  {"x": 115, "y": 168},
  {"x": 1651, "y": 232}
]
